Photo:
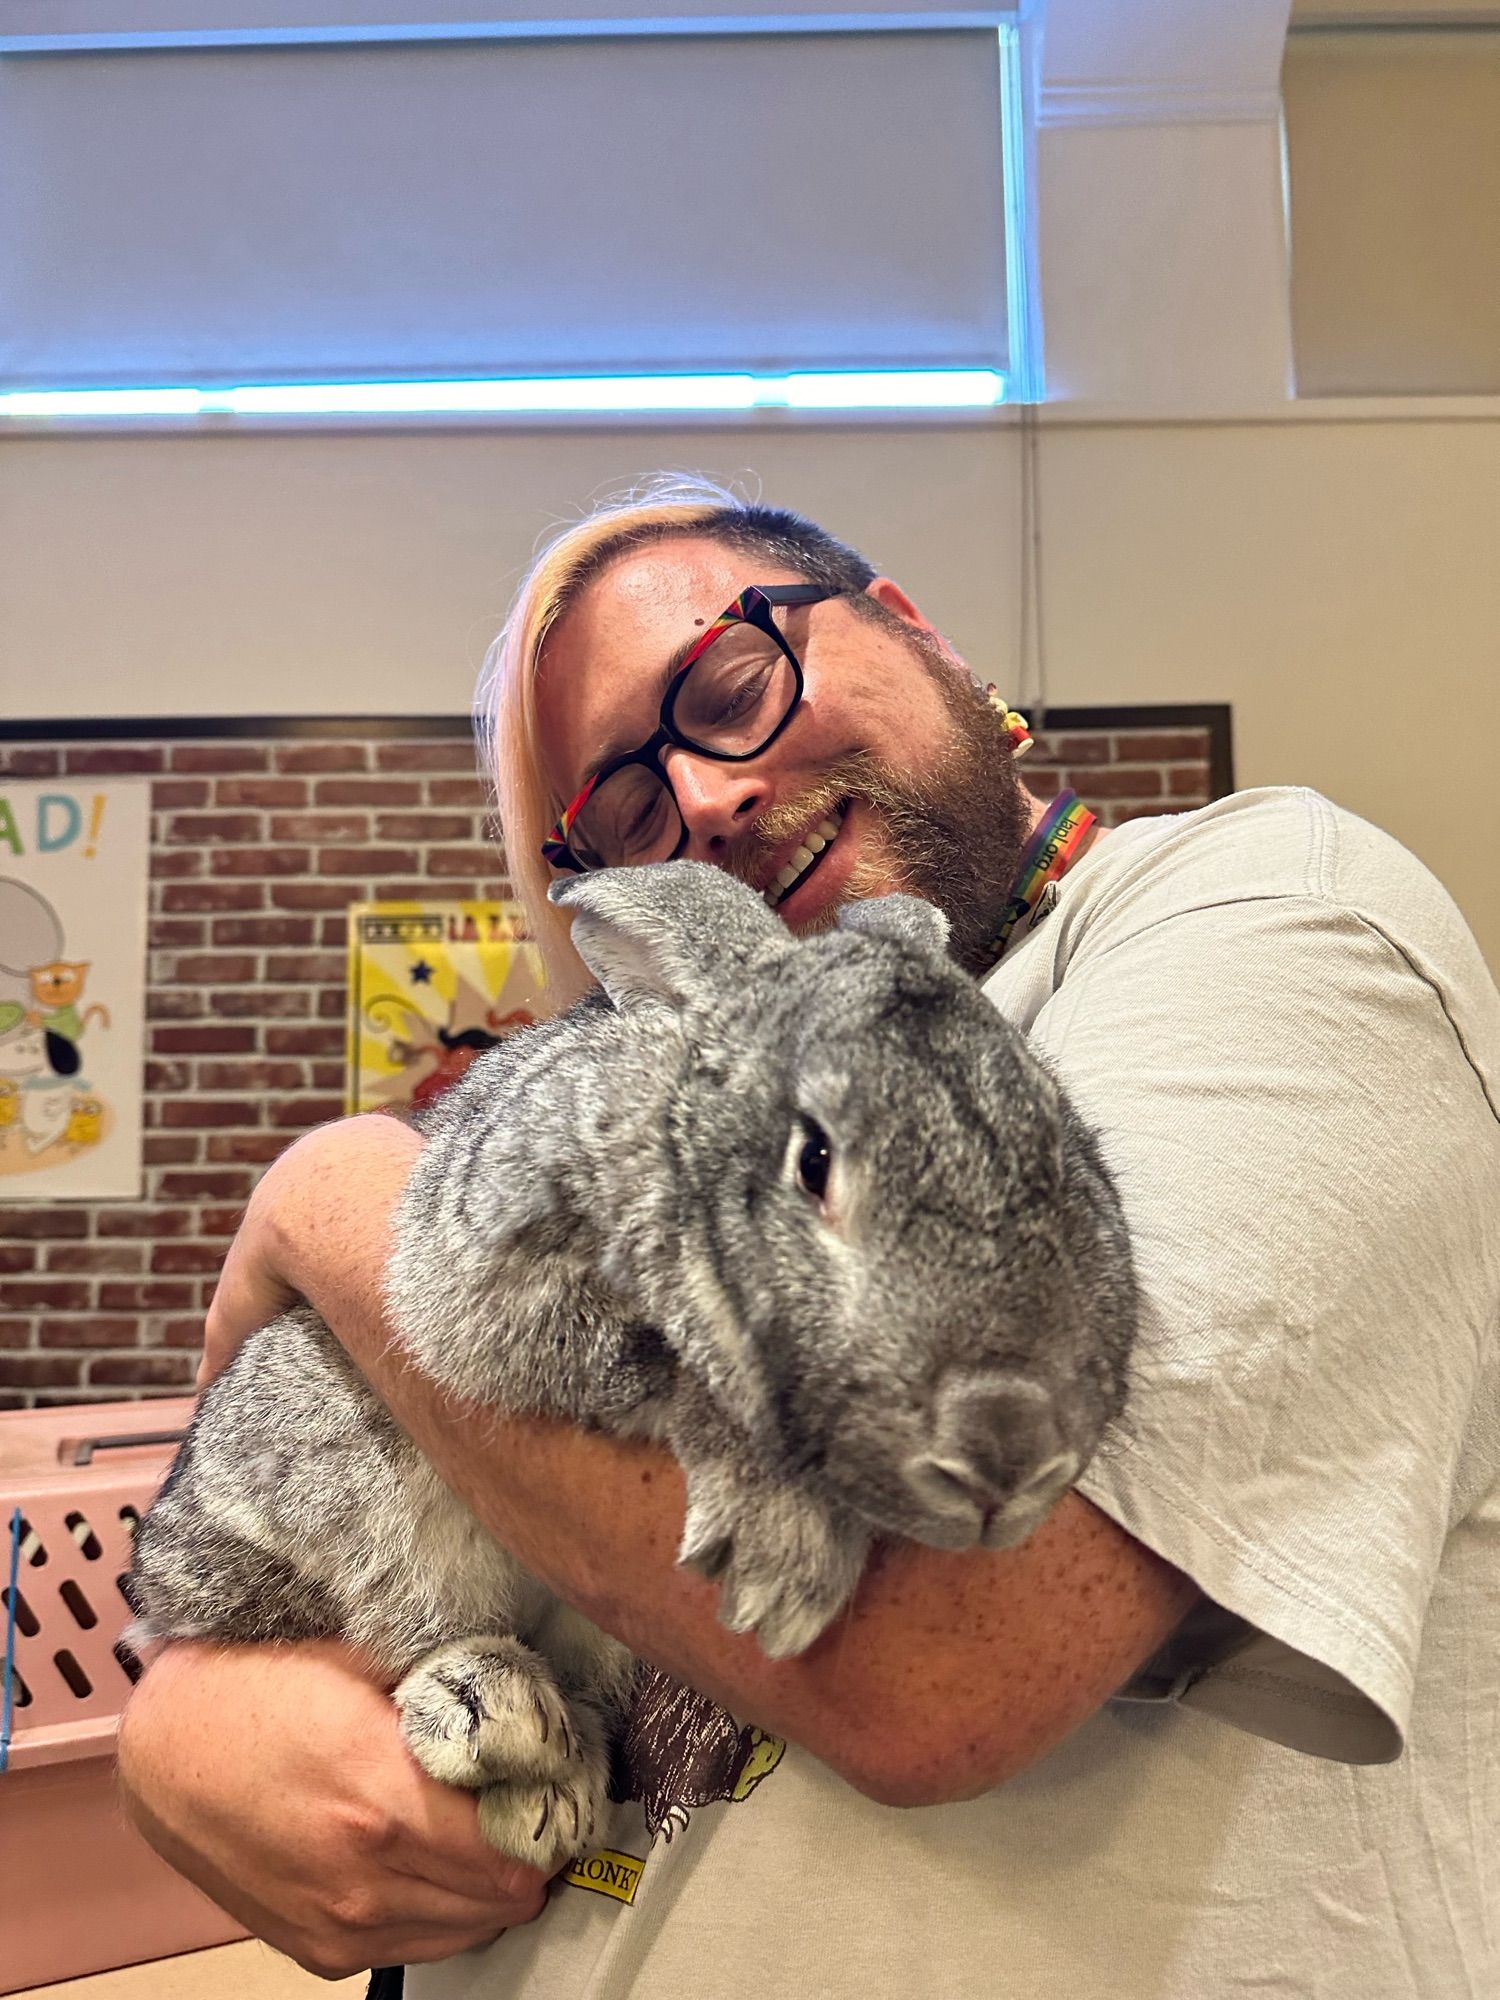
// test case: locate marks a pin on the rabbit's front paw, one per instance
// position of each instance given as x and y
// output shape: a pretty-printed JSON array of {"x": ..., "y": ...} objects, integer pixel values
[
  {"x": 785, "y": 1563},
  {"x": 487, "y": 1714}
]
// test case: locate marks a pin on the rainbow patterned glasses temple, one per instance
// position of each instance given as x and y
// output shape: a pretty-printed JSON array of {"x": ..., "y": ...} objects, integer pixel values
[{"x": 736, "y": 690}]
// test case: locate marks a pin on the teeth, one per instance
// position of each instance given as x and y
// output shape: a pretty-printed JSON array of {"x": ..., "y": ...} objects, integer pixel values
[{"x": 803, "y": 857}]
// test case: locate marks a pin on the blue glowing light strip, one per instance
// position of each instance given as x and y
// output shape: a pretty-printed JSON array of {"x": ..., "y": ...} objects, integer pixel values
[{"x": 889, "y": 389}]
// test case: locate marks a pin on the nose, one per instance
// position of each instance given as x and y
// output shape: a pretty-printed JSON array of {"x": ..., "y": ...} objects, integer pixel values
[
  {"x": 994, "y": 1445},
  {"x": 718, "y": 802}
]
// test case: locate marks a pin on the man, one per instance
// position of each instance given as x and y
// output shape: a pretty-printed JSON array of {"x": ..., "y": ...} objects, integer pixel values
[{"x": 1225, "y": 1722}]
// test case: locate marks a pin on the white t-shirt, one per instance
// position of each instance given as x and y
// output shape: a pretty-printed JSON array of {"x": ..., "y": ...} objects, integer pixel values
[{"x": 1286, "y": 1036}]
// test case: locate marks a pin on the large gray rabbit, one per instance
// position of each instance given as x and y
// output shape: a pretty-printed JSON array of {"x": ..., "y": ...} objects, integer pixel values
[{"x": 808, "y": 1211}]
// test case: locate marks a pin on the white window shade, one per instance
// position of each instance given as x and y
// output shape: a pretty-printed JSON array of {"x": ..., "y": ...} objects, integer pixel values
[
  {"x": 1393, "y": 149},
  {"x": 583, "y": 206}
]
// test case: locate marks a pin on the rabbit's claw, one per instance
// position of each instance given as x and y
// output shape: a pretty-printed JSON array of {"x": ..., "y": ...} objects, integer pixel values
[
  {"x": 486, "y": 1714},
  {"x": 784, "y": 1561}
]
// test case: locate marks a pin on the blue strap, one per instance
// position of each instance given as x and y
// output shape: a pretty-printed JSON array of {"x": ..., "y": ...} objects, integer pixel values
[{"x": 8, "y": 1678}]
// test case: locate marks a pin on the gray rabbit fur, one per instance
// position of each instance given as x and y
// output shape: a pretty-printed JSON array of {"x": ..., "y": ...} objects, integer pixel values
[{"x": 807, "y": 1211}]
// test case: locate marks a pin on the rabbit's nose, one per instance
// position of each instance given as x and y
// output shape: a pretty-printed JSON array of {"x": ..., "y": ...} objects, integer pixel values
[{"x": 993, "y": 1445}]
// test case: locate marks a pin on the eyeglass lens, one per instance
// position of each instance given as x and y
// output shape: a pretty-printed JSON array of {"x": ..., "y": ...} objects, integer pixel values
[{"x": 731, "y": 702}]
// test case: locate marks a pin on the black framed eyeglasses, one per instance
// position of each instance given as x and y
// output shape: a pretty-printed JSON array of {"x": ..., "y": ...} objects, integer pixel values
[{"x": 730, "y": 699}]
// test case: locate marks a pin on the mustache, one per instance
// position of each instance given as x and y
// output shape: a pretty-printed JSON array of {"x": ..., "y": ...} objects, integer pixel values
[{"x": 855, "y": 777}]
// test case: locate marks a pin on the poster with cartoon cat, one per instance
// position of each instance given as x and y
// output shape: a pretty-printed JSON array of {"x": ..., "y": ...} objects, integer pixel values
[{"x": 73, "y": 869}]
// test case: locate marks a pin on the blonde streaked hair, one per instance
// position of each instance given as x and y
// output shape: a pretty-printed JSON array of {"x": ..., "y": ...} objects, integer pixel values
[{"x": 505, "y": 705}]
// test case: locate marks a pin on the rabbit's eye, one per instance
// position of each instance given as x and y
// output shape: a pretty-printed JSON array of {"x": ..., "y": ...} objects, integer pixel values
[{"x": 815, "y": 1159}]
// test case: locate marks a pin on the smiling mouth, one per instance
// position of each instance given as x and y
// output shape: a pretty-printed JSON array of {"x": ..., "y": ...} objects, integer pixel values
[{"x": 805, "y": 859}]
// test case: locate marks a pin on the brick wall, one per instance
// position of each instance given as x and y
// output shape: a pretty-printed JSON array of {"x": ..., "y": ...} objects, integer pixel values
[{"x": 258, "y": 845}]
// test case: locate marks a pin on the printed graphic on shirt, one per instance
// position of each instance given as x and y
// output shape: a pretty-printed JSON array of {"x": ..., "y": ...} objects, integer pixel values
[{"x": 678, "y": 1750}]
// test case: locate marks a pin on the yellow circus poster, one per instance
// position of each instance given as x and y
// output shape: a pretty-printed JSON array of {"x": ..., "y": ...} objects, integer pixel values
[
  {"x": 431, "y": 986},
  {"x": 73, "y": 869}
]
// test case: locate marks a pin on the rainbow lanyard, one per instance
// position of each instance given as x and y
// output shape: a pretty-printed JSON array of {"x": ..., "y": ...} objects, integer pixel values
[{"x": 1050, "y": 852}]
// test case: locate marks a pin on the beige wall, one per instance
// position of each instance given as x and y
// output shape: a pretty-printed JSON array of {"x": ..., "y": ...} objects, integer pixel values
[{"x": 1335, "y": 580}]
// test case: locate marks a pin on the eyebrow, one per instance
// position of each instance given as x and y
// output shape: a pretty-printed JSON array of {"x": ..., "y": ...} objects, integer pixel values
[{"x": 673, "y": 666}]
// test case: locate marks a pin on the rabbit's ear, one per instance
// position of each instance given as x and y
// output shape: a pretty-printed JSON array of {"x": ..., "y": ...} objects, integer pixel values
[
  {"x": 672, "y": 930},
  {"x": 903, "y": 919}
]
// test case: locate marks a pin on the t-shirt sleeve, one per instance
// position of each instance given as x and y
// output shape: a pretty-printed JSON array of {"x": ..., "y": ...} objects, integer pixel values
[{"x": 1307, "y": 1162}]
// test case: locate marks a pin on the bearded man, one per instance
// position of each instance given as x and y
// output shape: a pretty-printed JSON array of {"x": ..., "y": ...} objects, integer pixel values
[{"x": 1225, "y": 1721}]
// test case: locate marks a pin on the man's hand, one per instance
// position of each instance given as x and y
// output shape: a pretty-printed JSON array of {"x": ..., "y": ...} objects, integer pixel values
[
  {"x": 276, "y": 1779},
  {"x": 320, "y": 1213}
]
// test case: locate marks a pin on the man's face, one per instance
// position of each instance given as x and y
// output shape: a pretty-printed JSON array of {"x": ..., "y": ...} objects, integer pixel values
[{"x": 892, "y": 750}]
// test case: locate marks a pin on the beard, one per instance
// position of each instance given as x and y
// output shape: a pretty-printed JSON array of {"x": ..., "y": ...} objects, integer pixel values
[{"x": 953, "y": 836}]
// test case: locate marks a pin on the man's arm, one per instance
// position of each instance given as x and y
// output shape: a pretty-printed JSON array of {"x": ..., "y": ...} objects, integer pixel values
[{"x": 947, "y": 1674}]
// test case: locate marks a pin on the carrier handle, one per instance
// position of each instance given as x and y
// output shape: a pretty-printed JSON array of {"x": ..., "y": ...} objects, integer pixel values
[{"x": 83, "y": 1449}]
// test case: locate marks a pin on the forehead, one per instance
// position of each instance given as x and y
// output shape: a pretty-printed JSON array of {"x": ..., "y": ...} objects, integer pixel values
[{"x": 600, "y": 674}]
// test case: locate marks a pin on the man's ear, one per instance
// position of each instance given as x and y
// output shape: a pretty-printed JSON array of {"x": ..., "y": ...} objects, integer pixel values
[
  {"x": 672, "y": 931},
  {"x": 887, "y": 592}
]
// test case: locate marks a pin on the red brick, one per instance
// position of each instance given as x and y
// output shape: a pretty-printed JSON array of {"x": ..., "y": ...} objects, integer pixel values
[
  {"x": 424, "y": 826},
  {"x": 145, "y": 1295},
  {"x": 450, "y": 753},
  {"x": 174, "y": 933},
  {"x": 367, "y": 792},
  {"x": 421, "y": 892},
  {"x": 259, "y": 1004},
  {"x": 145, "y": 1221},
  {"x": 305, "y": 1041},
  {"x": 197, "y": 828},
  {"x": 333, "y": 931},
  {"x": 1043, "y": 784},
  {"x": 48, "y": 1295},
  {"x": 32, "y": 1371},
  {"x": 1116, "y": 784},
  {"x": 15, "y": 1333},
  {"x": 458, "y": 792},
  {"x": 264, "y": 931},
  {"x": 313, "y": 895},
  {"x": 1143, "y": 747},
  {"x": 256, "y": 1148},
  {"x": 460, "y": 860},
  {"x": 297, "y": 1113},
  {"x": 213, "y": 896},
  {"x": 179, "y": 794},
  {"x": 17, "y": 1257},
  {"x": 333, "y": 1003},
  {"x": 365, "y": 860},
  {"x": 114, "y": 759},
  {"x": 138, "y": 1367},
  {"x": 322, "y": 757},
  {"x": 199, "y": 1114},
  {"x": 219, "y": 1221},
  {"x": 168, "y": 1149},
  {"x": 283, "y": 792},
  {"x": 117, "y": 1256},
  {"x": 198, "y": 968},
  {"x": 259, "y": 860},
  {"x": 180, "y": 1332},
  {"x": 43, "y": 1222},
  {"x": 327, "y": 1076},
  {"x": 90, "y": 1331},
  {"x": 1188, "y": 781},
  {"x": 187, "y": 1257},
  {"x": 216, "y": 1184},
  {"x": 1093, "y": 748},
  {"x": 174, "y": 865},
  {"x": 307, "y": 968},
  {"x": 217, "y": 758},
  {"x": 174, "y": 1006},
  {"x": 27, "y": 760},
  {"x": 320, "y": 826},
  {"x": 13, "y": 1399},
  {"x": 217, "y": 1040},
  {"x": 251, "y": 1075},
  {"x": 168, "y": 1076}
]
